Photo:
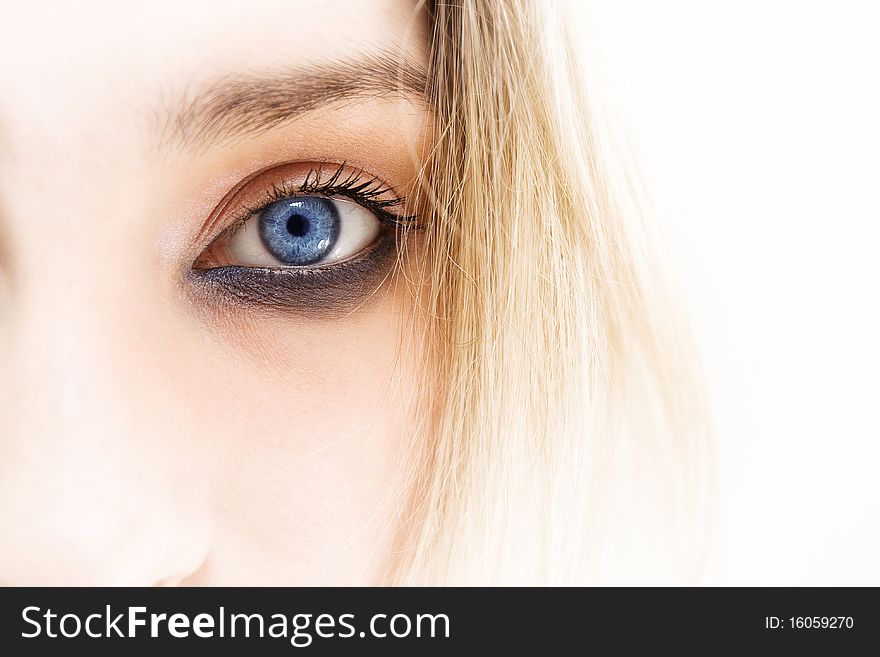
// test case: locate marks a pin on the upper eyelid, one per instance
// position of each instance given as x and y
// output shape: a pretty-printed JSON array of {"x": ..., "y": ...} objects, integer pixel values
[
  {"x": 282, "y": 191},
  {"x": 243, "y": 215},
  {"x": 282, "y": 186}
]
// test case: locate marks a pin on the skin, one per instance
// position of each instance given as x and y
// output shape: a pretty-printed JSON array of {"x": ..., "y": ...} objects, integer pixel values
[{"x": 149, "y": 436}]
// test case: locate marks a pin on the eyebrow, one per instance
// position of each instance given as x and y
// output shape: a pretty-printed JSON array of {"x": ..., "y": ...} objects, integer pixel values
[{"x": 241, "y": 105}]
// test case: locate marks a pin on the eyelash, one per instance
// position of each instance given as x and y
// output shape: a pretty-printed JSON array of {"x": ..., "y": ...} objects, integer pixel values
[{"x": 365, "y": 191}]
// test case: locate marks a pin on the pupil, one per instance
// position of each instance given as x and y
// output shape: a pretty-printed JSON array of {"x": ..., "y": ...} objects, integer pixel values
[{"x": 297, "y": 225}]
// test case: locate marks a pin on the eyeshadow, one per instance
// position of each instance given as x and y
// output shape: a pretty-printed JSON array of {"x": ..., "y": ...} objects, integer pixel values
[{"x": 320, "y": 292}]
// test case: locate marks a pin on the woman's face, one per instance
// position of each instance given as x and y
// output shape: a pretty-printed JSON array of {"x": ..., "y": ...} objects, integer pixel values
[{"x": 208, "y": 364}]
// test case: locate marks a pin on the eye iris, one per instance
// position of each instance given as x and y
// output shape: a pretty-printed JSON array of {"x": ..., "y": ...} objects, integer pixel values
[{"x": 300, "y": 231}]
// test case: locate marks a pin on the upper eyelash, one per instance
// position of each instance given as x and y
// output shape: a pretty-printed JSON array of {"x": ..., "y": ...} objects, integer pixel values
[
  {"x": 367, "y": 192},
  {"x": 356, "y": 186}
]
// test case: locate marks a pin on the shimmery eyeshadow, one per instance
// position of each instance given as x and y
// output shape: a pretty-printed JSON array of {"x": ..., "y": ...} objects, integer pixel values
[{"x": 332, "y": 290}]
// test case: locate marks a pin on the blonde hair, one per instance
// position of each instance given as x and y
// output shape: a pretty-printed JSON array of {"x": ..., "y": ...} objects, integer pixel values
[{"x": 567, "y": 443}]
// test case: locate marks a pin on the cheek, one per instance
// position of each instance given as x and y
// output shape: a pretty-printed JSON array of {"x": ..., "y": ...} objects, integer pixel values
[{"x": 307, "y": 432}]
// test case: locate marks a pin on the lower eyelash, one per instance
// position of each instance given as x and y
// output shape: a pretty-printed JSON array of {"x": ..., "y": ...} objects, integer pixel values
[{"x": 334, "y": 289}]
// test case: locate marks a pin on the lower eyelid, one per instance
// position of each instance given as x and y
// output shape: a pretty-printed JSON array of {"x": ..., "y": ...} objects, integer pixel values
[{"x": 339, "y": 287}]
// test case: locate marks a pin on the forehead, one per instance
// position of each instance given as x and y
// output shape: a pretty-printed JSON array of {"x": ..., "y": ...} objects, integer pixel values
[
  {"x": 65, "y": 66},
  {"x": 110, "y": 34}
]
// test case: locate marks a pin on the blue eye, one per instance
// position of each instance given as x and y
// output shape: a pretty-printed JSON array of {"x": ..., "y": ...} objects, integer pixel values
[{"x": 301, "y": 230}]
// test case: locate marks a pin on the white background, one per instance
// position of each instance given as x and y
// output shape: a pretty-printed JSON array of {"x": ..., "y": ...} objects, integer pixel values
[{"x": 756, "y": 126}]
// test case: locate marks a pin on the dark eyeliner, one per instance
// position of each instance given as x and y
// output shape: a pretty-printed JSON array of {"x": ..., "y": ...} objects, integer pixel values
[{"x": 336, "y": 288}]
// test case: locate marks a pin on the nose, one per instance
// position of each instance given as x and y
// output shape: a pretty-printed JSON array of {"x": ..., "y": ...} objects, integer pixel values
[{"x": 98, "y": 482}]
